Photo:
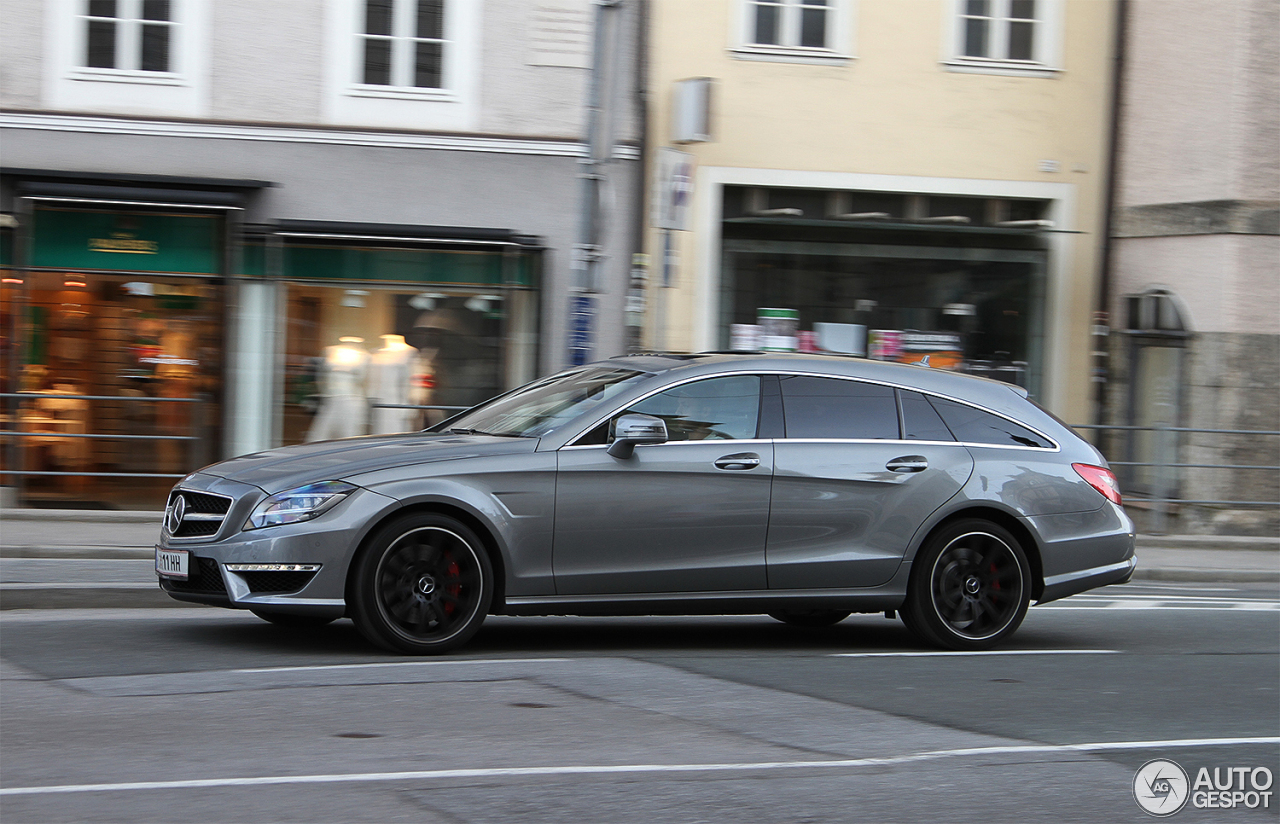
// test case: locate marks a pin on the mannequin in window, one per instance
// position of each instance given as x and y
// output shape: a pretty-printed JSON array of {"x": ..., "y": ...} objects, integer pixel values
[
  {"x": 343, "y": 405},
  {"x": 392, "y": 380}
]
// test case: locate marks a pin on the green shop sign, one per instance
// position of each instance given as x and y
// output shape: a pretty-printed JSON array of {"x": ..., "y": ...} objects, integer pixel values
[
  {"x": 127, "y": 241},
  {"x": 472, "y": 268}
]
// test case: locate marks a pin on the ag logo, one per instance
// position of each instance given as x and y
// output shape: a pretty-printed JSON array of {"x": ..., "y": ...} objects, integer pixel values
[{"x": 1161, "y": 787}]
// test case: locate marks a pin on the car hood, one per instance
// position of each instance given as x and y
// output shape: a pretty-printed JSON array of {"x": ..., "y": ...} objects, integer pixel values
[{"x": 288, "y": 467}]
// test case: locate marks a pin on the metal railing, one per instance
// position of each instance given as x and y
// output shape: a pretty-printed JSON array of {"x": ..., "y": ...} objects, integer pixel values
[
  {"x": 16, "y": 467},
  {"x": 1166, "y": 480}
]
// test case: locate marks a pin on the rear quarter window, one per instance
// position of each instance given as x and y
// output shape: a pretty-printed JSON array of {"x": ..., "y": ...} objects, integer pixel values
[{"x": 972, "y": 425}]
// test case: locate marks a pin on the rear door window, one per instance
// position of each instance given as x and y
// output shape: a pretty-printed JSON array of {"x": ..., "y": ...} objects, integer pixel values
[
  {"x": 844, "y": 409},
  {"x": 972, "y": 425}
]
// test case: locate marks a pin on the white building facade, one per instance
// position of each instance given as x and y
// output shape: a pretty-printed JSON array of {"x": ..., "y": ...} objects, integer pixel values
[{"x": 204, "y": 199}]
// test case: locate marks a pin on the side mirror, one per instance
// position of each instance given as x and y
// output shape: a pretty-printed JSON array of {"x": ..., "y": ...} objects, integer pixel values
[{"x": 629, "y": 430}]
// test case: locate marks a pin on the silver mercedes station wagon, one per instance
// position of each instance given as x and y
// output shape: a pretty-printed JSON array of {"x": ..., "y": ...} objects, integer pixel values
[{"x": 802, "y": 487}]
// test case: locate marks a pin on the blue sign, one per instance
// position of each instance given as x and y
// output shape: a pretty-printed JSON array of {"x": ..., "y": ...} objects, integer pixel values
[{"x": 582, "y": 312}]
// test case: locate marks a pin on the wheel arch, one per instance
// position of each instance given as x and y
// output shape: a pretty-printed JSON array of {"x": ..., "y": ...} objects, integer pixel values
[
  {"x": 1025, "y": 537},
  {"x": 472, "y": 521}
]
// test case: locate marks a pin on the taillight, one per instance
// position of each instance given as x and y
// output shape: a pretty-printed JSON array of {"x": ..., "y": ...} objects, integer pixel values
[{"x": 1101, "y": 479}]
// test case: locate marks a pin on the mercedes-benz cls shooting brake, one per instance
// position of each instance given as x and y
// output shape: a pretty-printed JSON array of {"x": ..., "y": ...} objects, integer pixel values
[{"x": 804, "y": 487}]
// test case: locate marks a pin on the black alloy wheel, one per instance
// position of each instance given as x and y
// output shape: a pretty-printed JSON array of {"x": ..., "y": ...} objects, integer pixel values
[
  {"x": 810, "y": 618},
  {"x": 423, "y": 585},
  {"x": 292, "y": 621},
  {"x": 970, "y": 586}
]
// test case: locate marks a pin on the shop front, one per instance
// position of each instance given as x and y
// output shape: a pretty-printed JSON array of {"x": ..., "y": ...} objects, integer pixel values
[
  {"x": 966, "y": 296},
  {"x": 388, "y": 328},
  {"x": 113, "y": 319}
]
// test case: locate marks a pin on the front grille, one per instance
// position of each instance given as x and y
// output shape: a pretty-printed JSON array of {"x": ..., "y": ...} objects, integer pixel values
[
  {"x": 204, "y": 577},
  {"x": 276, "y": 581},
  {"x": 203, "y": 516},
  {"x": 206, "y": 504},
  {"x": 196, "y": 529}
]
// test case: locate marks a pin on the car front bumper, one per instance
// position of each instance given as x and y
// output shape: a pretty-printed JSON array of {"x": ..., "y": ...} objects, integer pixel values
[{"x": 328, "y": 542}]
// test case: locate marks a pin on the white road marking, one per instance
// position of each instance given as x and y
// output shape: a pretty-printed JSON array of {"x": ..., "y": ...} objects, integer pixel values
[
  {"x": 1164, "y": 603},
  {"x": 608, "y": 769},
  {"x": 1208, "y": 599},
  {"x": 82, "y": 585},
  {"x": 961, "y": 653},
  {"x": 323, "y": 667}
]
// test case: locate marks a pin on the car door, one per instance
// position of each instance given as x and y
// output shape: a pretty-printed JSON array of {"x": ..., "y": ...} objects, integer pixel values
[
  {"x": 852, "y": 483},
  {"x": 688, "y": 515}
]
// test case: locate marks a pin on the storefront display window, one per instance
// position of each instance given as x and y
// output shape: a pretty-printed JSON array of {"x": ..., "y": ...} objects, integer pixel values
[
  {"x": 965, "y": 307},
  {"x": 113, "y": 324},
  {"x": 121, "y": 354},
  {"x": 358, "y": 354}
]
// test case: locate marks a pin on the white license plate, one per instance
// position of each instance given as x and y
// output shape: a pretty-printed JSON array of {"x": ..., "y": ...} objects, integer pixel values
[{"x": 172, "y": 563}]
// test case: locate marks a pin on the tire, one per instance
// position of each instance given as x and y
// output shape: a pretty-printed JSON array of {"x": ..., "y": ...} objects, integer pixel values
[
  {"x": 291, "y": 621},
  {"x": 810, "y": 618},
  {"x": 422, "y": 586},
  {"x": 970, "y": 586}
]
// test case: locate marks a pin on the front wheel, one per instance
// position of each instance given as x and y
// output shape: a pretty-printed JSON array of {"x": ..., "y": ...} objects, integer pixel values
[
  {"x": 422, "y": 586},
  {"x": 970, "y": 586}
]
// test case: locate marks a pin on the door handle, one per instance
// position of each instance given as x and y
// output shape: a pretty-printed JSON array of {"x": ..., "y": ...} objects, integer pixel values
[
  {"x": 908, "y": 463},
  {"x": 742, "y": 460}
]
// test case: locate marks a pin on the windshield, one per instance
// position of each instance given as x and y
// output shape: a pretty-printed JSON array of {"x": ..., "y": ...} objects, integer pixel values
[{"x": 543, "y": 406}]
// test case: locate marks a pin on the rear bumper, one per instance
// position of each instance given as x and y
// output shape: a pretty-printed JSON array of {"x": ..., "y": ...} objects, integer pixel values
[
  {"x": 1084, "y": 550},
  {"x": 1060, "y": 586}
]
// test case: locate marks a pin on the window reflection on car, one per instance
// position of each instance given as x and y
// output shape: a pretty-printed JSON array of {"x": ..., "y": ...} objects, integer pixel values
[{"x": 542, "y": 407}]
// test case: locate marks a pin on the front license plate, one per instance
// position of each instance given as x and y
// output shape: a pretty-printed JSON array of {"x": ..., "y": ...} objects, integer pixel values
[{"x": 172, "y": 563}]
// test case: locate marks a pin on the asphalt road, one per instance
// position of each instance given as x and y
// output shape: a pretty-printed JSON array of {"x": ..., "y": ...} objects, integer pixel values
[{"x": 209, "y": 715}]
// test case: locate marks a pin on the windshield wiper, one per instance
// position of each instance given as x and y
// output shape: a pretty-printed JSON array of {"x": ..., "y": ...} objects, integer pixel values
[{"x": 461, "y": 431}]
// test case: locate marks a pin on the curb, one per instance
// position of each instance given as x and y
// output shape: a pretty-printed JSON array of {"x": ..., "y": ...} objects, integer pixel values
[
  {"x": 90, "y": 596},
  {"x": 106, "y": 516},
  {"x": 1207, "y": 576},
  {"x": 1208, "y": 543},
  {"x": 91, "y": 553}
]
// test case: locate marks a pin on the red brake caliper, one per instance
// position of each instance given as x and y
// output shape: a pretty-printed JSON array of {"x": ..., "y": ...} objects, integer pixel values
[
  {"x": 995, "y": 582},
  {"x": 454, "y": 589}
]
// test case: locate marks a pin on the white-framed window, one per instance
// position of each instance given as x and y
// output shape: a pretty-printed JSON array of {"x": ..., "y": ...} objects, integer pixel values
[
  {"x": 807, "y": 31},
  {"x": 1004, "y": 36},
  {"x": 403, "y": 63},
  {"x": 402, "y": 44},
  {"x": 129, "y": 35},
  {"x": 128, "y": 56}
]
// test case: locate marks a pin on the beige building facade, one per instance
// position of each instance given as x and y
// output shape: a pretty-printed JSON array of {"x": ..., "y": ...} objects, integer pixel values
[
  {"x": 1196, "y": 263},
  {"x": 910, "y": 176}
]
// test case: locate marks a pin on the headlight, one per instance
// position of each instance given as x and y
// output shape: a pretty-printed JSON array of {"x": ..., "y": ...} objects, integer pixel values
[{"x": 301, "y": 504}]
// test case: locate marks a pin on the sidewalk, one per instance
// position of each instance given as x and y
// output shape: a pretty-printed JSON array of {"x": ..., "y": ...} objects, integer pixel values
[{"x": 52, "y": 559}]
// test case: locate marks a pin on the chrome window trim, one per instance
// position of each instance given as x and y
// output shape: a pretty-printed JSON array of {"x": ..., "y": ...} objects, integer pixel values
[
  {"x": 789, "y": 373},
  {"x": 756, "y": 441}
]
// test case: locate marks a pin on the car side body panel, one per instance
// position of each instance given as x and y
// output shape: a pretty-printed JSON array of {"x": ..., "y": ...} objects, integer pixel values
[
  {"x": 841, "y": 518},
  {"x": 512, "y": 496},
  {"x": 667, "y": 519}
]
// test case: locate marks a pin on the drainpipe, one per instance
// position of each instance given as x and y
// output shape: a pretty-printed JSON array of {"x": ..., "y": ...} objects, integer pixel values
[
  {"x": 634, "y": 311},
  {"x": 1102, "y": 316}
]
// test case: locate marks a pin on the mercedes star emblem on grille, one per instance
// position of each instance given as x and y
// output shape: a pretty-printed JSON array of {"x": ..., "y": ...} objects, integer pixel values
[{"x": 177, "y": 511}]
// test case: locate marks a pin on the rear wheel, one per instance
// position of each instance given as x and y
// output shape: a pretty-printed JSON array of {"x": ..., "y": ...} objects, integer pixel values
[
  {"x": 285, "y": 619},
  {"x": 970, "y": 586},
  {"x": 810, "y": 618},
  {"x": 423, "y": 585}
]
